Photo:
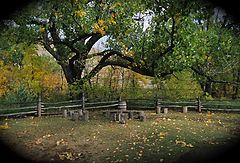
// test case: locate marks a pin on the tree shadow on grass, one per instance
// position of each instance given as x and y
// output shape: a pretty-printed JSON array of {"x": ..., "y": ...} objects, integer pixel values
[{"x": 213, "y": 153}]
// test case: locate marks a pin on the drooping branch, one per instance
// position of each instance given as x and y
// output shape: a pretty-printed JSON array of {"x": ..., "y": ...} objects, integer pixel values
[
  {"x": 46, "y": 41},
  {"x": 94, "y": 38},
  {"x": 121, "y": 60},
  {"x": 211, "y": 78}
]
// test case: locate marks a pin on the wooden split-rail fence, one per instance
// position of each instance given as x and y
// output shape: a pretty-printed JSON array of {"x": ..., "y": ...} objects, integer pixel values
[{"x": 134, "y": 107}]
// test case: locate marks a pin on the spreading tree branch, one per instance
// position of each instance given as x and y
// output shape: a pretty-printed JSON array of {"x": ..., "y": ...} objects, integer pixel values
[{"x": 210, "y": 78}]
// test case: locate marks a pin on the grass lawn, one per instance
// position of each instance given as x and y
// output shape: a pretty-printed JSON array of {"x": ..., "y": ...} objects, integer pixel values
[{"x": 172, "y": 137}]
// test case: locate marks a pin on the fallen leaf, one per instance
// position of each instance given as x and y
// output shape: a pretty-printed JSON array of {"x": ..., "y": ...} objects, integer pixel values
[
  {"x": 189, "y": 145},
  {"x": 47, "y": 136},
  {"x": 61, "y": 142},
  {"x": 38, "y": 141},
  {"x": 66, "y": 155},
  {"x": 162, "y": 135},
  {"x": 5, "y": 126},
  {"x": 181, "y": 142}
]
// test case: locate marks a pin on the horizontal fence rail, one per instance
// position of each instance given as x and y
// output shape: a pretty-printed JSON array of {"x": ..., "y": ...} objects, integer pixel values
[{"x": 46, "y": 108}]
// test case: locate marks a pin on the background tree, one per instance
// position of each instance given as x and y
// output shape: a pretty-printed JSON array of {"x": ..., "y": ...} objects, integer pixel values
[{"x": 25, "y": 74}]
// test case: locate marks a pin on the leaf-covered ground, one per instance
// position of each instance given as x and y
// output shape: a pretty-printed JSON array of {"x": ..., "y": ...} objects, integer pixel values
[{"x": 172, "y": 137}]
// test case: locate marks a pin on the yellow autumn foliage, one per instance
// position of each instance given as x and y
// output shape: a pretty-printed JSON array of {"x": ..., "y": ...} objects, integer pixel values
[
  {"x": 34, "y": 74},
  {"x": 100, "y": 27},
  {"x": 112, "y": 20},
  {"x": 178, "y": 18},
  {"x": 53, "y": 81},
  {"x": 115, "y": 5},
  {"x": 141, "y": 78},
  {"x": 80, "y": 13},
  {"x": 41, "y": 29},
  {"x": 8, "y": 73},
  {"x": 101, "y": 22},
  {"x": 3, "y": 84}
]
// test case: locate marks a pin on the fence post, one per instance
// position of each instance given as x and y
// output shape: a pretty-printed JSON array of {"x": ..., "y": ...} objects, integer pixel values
[
  {"x": 39, "y": 106},
  {"x": 165, "y": 110},
  {"x": 122, "y": 105},
  {"x": 185, "y": 109},
  {"x": 199, "y": 105},
  {"x": 65, "y": 113},
  {"x": 83, "y": 102},
  {"x": 158, "y": 107}
]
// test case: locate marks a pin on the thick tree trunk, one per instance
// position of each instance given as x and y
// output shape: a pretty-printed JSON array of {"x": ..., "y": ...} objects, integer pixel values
[
  {"x": 68, "y": 74},
  {"x": 71, "y": 78},
  {"x": 206, "y": 87},
  {"x": 236, "y": 87}
]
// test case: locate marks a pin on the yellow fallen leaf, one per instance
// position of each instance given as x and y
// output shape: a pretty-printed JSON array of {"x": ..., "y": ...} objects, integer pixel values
[
  {"x": 181, "y": 142},
  {"x": 47, "y": 136},
  {"x": 189, "y": 145},
  {"x": 60, "y": 142},
  {"x": 61, "y": 156},
  {"x": 38, "y": 141},
  {"x": 5, "y": 126},
  {"x": 66, "y": 155},
  {"x": 162, "y": 135}
]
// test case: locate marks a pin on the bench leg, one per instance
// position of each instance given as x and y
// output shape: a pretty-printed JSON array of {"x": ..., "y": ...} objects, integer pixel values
[
  {"x": 113, "y": 116},
  {"x": 165, "y": 110},
  {"x": 185, "y": 109},
  {"x": 130, "y": 115}
]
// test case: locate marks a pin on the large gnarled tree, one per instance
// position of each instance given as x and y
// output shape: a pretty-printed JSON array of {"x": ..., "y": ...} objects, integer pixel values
[{"x": 151, "y": 38}]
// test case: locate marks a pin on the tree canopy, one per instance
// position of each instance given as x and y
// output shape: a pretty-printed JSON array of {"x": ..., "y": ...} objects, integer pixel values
[{"x": 151, "y": 38}]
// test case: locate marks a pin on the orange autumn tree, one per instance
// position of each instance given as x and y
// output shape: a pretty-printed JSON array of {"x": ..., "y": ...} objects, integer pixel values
[{"x": 33, "y": 75}]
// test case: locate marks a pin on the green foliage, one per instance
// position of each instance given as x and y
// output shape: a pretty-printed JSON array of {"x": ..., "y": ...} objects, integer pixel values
[
  {"x": 208, "y": 97},
  {"x": 180, "y": 35},
  {"x": 100, "y": 93},
  {"x": 181, "y": 85},
  {"x": 20, "y": 94},
  {"x": 103, "y": 93}
]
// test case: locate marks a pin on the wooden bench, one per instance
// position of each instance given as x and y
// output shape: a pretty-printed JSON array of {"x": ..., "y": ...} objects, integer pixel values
[
  {"x": 115, "y": 115},
  {"x": 184, "y": 108}
]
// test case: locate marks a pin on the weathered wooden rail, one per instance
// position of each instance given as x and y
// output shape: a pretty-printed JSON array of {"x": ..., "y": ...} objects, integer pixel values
[
  {"x": 56, "y": 108},
  {"x": 159, "y": 105}
]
